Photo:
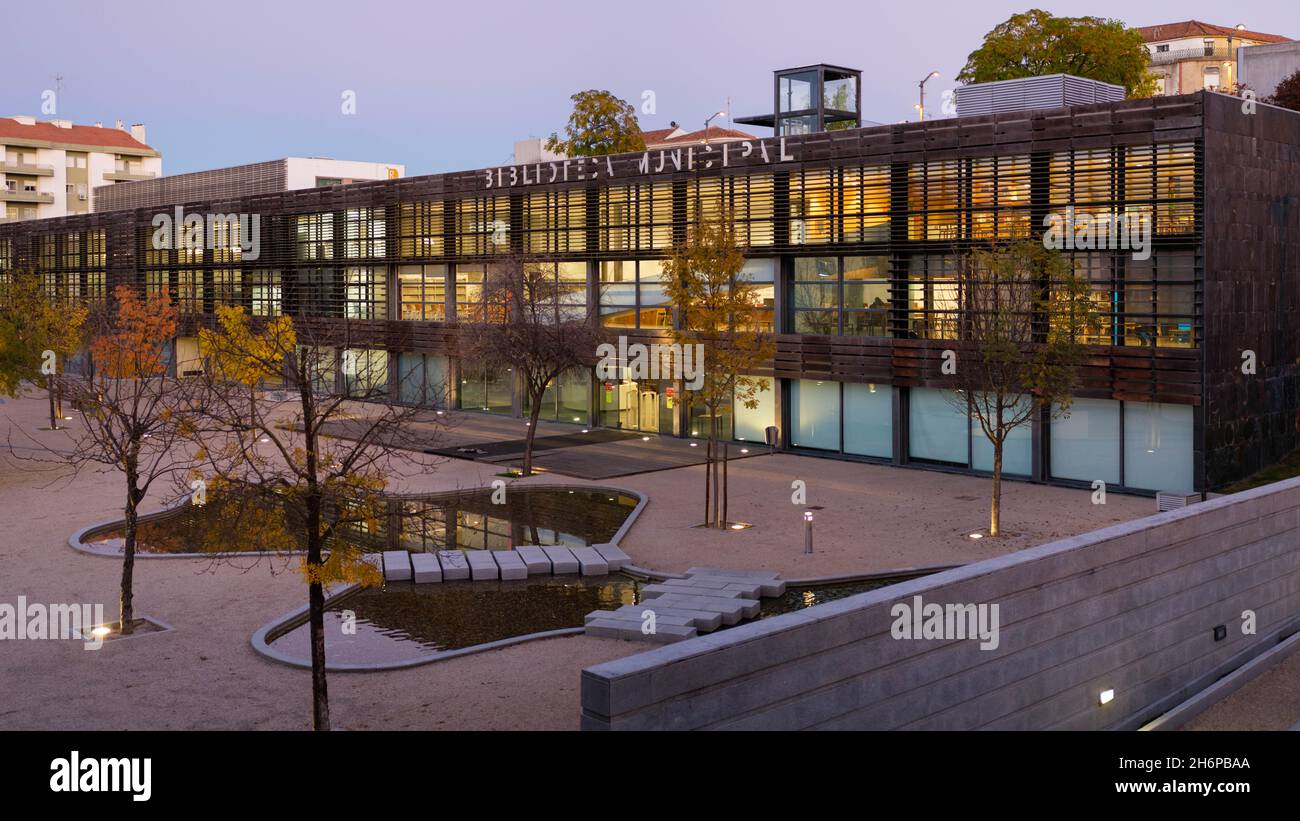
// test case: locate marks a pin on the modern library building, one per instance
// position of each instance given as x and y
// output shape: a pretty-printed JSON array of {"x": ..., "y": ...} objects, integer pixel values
[{"x": 852, "y": 237}]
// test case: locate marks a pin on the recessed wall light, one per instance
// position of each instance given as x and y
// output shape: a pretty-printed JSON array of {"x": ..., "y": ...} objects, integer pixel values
[{"x": 1106, "y": 697}]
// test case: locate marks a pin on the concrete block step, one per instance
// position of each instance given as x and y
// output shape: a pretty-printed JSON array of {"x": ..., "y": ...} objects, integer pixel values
[
  {"x": 615, "y": 557},
  {"x": 535, "y": 560},
  {"x": 509, "y": 565},
  {"x": 454, "y": 565},
  {"x": 654, "y": 591},
  {"x": 562, "y": 561},
  {"x": 732, "y": 610},
  {"x": 481, "y": 564},
  {"x": 750, "y": 590},
  {"x": 590, "y": 562},
  {"x": 664, "y": 634},
  {"x": 638, "y": 617},
  {"x": 705, "y": 621},
  {"x": 426, "y": 567},
  {"x": 397, "y": 565}
]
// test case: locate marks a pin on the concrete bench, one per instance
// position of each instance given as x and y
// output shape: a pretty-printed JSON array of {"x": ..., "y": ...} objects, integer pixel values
[
  {"x": 454, "y": 566},
  {"x": 615, "y": 557},
  {"x": 534, "y": 559},
  {"x": 509, "y": 564},
  {"x": 397, "y": 565},
  {"x": 590, "y": 562},
  {"x": 426, "y": 567},
  {"x": 481, "y": 564},
  {"x": 562, "y": 560}
]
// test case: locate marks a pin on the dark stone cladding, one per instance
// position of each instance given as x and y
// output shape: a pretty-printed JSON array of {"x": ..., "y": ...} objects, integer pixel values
[{"x": 1252, "y": 286}]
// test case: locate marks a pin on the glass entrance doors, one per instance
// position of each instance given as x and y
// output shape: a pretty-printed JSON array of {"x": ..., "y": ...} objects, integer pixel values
[{"x": 648, "y": 405}]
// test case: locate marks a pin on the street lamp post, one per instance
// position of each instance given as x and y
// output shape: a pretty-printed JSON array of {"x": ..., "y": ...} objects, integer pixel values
[
  {"x": 928, "y": 77},
  {"x": 709, "y": 120}
]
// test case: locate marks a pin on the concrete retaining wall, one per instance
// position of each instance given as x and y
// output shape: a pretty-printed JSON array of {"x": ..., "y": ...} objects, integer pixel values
[{"x": 1130, "y": 608}]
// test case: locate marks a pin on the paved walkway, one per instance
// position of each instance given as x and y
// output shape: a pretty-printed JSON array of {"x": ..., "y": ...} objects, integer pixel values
[{"x": 678, "y": 609}]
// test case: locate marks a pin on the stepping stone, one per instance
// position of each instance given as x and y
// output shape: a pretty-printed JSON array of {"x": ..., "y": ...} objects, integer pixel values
[
  {"x": 509, "y": 565},
  {"x": 397, "y": 565},
  {"x": 534, "y": 559},
  {"x": 732, "y": 610},
  {"x": 453, "y": 564},
  {"x": 770, "y": 584},
  {"x": 481, "y": 564},
  {"x": 621, "y": 615},
  {"x": 664, "y": 633},
  {"x": 703, "y": 620},
  {"x": 616, "y": 558},
  {"x": 562, "y": 560},
  {"x": 426, "y": 567},
  {"x": 590, "y": 562},
  {"x": 748, "y": 590},
  {"x": 654, "y": 591},
  {"x": 722, "y": 571}
]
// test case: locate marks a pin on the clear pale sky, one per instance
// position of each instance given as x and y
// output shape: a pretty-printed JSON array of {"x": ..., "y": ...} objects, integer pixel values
[{"x": 443, "y": 86}]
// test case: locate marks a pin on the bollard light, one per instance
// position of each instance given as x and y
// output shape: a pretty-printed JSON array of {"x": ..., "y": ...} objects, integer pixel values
[{"x": 807, "y": 532}]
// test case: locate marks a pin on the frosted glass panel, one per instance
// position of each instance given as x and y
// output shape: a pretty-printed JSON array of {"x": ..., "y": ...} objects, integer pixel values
[
  {"x": 936, "y": 429},
  {"x": 751, "y": 424},
  {"x": 815, "y": 414},
  {"x": 1085, "y": 446},
  {"x": 869, "y": 420},
  {"x": 1017, "y": 450},
  {"x": 1157, "y": 446}
]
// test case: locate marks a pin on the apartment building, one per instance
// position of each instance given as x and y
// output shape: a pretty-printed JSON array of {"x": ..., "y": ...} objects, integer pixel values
[
  {"x": 52, "y": 169},
  {"x": 1191, "y": 55}
]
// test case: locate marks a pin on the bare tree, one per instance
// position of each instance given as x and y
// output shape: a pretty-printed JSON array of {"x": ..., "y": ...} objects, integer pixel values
[
  {"x": 536, "y": 324},
  {"x": 1024, "y": 314},
  {"x": 310, "y": 467}
]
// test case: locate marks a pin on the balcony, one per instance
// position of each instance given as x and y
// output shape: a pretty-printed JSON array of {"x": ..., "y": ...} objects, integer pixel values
[
  {"x": 12, "y": 195},
  {"x": 1159, "y": 58},
  {"x": 126, "y": 175},
  {"x": 24, "y": 168}
]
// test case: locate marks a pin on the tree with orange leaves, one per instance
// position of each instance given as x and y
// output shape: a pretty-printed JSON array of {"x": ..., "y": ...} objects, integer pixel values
[{"x": 136, "y": 418}]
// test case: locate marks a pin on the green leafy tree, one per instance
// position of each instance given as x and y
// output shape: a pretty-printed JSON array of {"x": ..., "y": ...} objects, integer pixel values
[
  {"x": 1287, "y": 93},
  {"x": 1036, "y": 43},
  {"x": 34, "y": 325},
  {"x": 1024, "y": 313},
  {"x": 717, "y": 308},
  {"x": 600, "y": 124}
]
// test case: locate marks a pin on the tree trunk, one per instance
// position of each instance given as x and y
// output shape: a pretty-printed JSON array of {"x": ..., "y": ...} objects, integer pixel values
[
  {"x": 995, "y": 514},
  {"x": 527, "y": 469},
  {"x": 708, "y": 461},
  {"x": 49, "y": 390},
  {"x": 726, "y": 491},
  {"x": 320, "y": 702},
  {"x": 126, "y": 599}
]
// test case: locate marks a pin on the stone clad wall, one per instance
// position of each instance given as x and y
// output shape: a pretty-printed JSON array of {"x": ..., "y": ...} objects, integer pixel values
[{"x": 1130, "y": 608}]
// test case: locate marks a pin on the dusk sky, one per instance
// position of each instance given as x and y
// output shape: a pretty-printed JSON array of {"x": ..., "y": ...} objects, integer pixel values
[{"x": 448, "y": 86}]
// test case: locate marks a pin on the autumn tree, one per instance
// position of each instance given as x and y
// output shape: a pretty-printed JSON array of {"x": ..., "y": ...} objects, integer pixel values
[
  {"x": 599, "y": 124},
  {"x": 536, "y": 324},
  {"x": 1024, "y": 314},
  {"x": 320, "y": 460},
  {"x": 1036, "y": 43},
  {"x": 716, "y": 309},
  {"x": 1287, "y": 93},
  {"x": 38, "y": 332},
  {"x": 134, "y": 418}
]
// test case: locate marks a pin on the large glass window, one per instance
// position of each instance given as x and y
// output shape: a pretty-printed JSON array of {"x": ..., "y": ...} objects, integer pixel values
[
  {"x": 421, "y": 229},
  {"x": 422, "y": 379},
  {"x": 1017, "y": 449},
  {"x": 815, "y": 414},
  {"x": 365, "y": 293},
  {"x": 636, "y": 217},
  {"x": 1085, "y": 445},
  {"x": 486, "y": 389},
  {"x": 365, "y": 233},
  {"x": 869, "y": 420},
  {"x": 797, "y": 92},
  {"x": 555, "y": 221},
  {"x": 632, "y": 295},
  {"x": 746, "y": 198},
  {"x": 937, "y": 431},
  {"x": 1158, "y": 444},
  {"x": 483, "y": 226},
  {"x": 567, "y": 398},
  {"x": 266, "y": 293},
  {"x": 365, "y": 372},
  {"x": 1160, "y": 300},
  {"x": 423, "y": 290},
  {"x": 751, "y": 423},
  {"x": 848, "y": 296},
  {"x": 932, "y": 297},
  {"x": 315, "y": 236}
]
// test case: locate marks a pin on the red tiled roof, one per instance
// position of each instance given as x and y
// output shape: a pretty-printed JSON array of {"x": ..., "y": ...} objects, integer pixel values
[
  {"x": 713, "y": 132},
  {"x": 657, "y": 135},
  {"x": 87, "y": 135},
  {"x": 1195, "y": 28}
]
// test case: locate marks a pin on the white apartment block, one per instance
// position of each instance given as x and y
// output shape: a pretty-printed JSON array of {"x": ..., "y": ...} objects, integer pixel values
[
  {"x": 1193, "y": 56},
  {"x": 51, "y": 169}
]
